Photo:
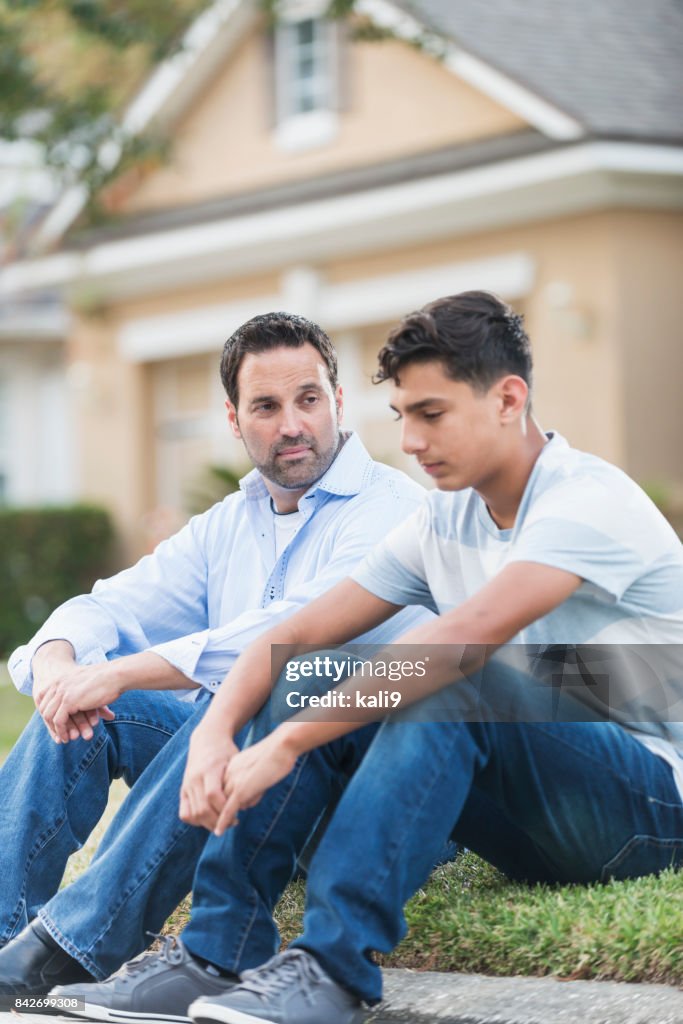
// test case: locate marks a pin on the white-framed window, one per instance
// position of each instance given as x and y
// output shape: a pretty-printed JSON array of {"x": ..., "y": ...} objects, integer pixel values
[{"x": 306, "y": 76}]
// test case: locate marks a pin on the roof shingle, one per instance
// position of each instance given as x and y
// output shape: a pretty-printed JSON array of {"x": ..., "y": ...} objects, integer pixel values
[{"x": 614, "y": 65}]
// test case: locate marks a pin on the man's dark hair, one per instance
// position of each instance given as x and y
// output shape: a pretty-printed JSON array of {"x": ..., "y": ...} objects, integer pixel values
[
  {"x": 477, "y": 337},
  {"x": 268, "y": 331}
]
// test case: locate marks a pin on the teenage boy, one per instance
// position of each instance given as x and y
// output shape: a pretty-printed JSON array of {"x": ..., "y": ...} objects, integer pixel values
[
  {"x": 307, "y": 513},
  {"x": 525, "y": 540}
]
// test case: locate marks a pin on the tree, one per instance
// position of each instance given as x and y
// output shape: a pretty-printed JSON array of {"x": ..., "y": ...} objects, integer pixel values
[{"x": 67, "y": 68}]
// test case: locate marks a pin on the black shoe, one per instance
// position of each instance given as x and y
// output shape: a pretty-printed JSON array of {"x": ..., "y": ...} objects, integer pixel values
[
  {"x": 153, "y": 987},
  {"x": 34, "y": 963}
]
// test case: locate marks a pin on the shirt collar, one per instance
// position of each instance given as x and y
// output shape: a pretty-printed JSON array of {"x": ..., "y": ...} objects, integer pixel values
[{"x": 345, "y": 476}]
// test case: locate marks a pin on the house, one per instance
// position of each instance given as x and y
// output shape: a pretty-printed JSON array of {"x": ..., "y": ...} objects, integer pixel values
[
  {"x": 532, "y": 149},
  {"x": 36, "y": 443}
]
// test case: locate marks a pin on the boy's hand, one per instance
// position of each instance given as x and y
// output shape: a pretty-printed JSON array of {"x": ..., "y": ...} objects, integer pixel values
[
  {"x": 251, "y": 773},
  {"x": 201, "y": 795}
]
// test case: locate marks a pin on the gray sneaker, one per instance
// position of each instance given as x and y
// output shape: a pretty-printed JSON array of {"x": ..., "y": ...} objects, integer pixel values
[
  {"x": 154, "y": 986},
  {"x": 292, "y": 988}
]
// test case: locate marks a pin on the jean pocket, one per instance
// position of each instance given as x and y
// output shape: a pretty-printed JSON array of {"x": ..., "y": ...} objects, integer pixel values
[{"x": 644, "y": 855}]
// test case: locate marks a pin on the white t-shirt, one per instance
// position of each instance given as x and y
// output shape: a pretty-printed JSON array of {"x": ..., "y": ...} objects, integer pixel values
[
  {"x": 286, "y": 525},
  {"x": 580, "y": 514}
]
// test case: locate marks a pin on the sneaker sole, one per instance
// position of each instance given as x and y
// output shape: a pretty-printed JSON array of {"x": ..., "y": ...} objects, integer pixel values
[
  {"x": 224, "y": 1014},
  {"x": 92, "y": 1011}
]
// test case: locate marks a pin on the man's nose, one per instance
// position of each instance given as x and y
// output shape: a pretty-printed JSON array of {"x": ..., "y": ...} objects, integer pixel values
[{"x": 291, "y": 421}]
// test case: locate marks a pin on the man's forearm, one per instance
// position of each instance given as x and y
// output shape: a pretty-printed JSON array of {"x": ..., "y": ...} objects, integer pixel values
[
  {"x": 149, "y": 671},
  {"x": 51, "y": 654}
]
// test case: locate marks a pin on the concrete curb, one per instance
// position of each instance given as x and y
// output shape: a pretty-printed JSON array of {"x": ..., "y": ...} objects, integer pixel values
[{"x": 413, "y": 997}]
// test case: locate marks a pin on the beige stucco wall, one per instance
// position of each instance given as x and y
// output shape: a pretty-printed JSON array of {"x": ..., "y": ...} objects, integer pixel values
[
  {"x": 603, "y": 315},
  {"x": 577, "y": 378},
  {"x": 648, "y": 254},
  {"x": 110, "y": 406},
  {"x": 398, "y": 101}
]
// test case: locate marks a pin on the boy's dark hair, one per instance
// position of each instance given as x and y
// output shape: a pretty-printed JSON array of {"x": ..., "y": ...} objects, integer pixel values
[
  {"x": 475, "y": 335},
  {"x": 272, "y": 330}
]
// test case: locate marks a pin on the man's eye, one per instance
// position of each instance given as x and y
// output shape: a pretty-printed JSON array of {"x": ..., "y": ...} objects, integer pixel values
[
  {"x": 432, "y": 415},
  {"x": 310, "y": 399},
  {"x": 264, "y": 407},
  {"x": 397, "y": 417}
]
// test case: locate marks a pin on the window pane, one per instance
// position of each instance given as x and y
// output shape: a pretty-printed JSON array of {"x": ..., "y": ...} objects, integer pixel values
[
  {"x": 306, "y": 67},
  {"x": 305, "y": 31},
  {"x": 303, "y": 73}
]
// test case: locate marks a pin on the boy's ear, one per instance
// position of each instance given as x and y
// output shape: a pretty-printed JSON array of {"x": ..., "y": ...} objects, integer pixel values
[
  {"x": 232, "y": 419},
  {"x": 513, "y": 395}
]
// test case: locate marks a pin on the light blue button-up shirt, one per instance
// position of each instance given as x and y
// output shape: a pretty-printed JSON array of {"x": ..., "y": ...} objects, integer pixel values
[{"x": 216, "y": 585}]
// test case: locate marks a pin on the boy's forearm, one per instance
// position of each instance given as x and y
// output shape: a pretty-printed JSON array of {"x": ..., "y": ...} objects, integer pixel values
[{"x": 248, "y": 685}]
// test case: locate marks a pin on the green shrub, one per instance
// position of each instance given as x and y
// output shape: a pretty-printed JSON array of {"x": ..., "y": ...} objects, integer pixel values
[{"x": 48, "y": 555}]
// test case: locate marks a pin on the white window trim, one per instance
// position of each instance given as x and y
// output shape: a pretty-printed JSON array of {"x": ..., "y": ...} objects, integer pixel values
[
  {"x": 313, "y": 128},
  {"x": 306, "y": 131}
]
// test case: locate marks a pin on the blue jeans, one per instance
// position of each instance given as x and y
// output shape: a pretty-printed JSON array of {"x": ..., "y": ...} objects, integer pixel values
[
  {"x": 52, "y": 796},
  {"x": 543, "y": 800}
]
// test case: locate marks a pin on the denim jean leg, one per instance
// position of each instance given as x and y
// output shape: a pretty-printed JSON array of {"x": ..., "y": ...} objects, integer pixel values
[
  {"x": 142, "y": 869},
  {"x": 575, "y": 794},
  {"x": 393, "y": 820},
  {"x": 52, "y": 796},
  {"x": 592, "y": 804},
  {"x": 242, "y": 874}
]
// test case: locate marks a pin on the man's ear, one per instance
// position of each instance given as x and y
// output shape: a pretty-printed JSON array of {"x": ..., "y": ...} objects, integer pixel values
[
  {"x": 513, "y": 398},
  {"x": 339, "y": 401},
  {"x": 232, "y": 419}
]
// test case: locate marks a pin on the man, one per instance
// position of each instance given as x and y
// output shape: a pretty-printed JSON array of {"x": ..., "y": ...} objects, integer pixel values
[
  {"x": 176, "y": 621},
  {"x": 525, "y": 540}
]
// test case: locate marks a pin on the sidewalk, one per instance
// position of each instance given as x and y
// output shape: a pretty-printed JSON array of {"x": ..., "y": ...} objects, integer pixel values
[{"x": 414, "y": 997}]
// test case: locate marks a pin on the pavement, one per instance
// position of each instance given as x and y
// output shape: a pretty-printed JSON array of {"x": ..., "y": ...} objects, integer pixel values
[{"x": 415, "y": 997}]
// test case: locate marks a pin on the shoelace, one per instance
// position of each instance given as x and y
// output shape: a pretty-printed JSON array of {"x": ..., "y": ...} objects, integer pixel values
[
  {"x": 171, "y": 952},
  {"x": 293, "y": 967}
]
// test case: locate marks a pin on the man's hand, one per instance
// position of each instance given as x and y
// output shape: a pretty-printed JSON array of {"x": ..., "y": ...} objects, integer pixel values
[
  {"x": 251, "y": 773},
  {"x": 55, "y": 673},
  {"x": 201, "y": 794}
]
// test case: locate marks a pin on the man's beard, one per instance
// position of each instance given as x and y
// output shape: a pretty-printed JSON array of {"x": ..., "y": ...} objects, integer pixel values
[{"x": 298, "y": 474}]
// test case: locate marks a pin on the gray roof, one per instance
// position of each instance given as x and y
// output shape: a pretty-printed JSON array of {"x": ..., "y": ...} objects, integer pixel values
[{"x": 614, "y": 65}]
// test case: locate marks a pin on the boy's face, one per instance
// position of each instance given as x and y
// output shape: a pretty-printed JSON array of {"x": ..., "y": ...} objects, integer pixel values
[{"x": 454, "y": 431}]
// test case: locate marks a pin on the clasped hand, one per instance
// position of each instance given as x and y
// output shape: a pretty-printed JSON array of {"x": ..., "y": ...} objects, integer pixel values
[
  {"x": 73, "y": 698},
  {"x": 220, "y": 781}
]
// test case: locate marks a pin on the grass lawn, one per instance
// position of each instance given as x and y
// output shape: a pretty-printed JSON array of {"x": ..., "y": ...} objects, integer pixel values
[
  {"x": 15, "y": 711},
  {"x": 470, "y": 918}
]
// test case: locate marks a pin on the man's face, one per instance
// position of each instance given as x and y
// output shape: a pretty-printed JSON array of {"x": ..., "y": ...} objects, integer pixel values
[
  {"x": 453, "y": 430},
  {"x": 287, "y": 415}
]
